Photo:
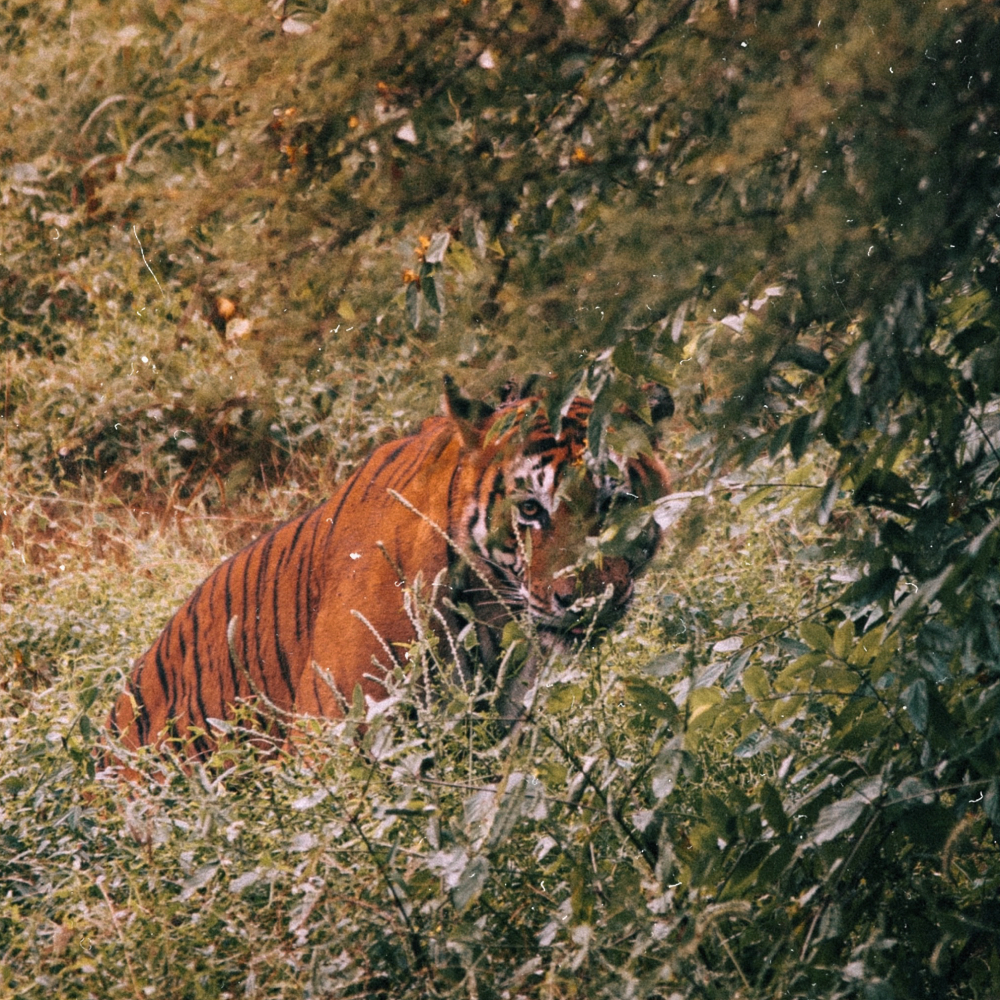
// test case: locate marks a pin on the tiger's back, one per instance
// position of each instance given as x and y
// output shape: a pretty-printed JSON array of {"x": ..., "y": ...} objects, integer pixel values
[
  {"x": 318, "y": 600},
  {"x": 298, "y": 582}
]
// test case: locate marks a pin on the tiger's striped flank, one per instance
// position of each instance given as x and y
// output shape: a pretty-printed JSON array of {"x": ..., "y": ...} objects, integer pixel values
[{"x": 320, "y": 594}]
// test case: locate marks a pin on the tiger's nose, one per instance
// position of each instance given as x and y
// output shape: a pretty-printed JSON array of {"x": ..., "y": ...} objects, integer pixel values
[
  {"x": 564, "y": 601},
  {"x": 564, "y": 591}
]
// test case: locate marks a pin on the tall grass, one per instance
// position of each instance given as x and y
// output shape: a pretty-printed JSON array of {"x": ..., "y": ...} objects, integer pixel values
[{"x": 424, "y": 854}]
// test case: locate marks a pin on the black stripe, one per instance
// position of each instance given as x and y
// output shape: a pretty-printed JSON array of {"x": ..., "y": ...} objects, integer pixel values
[
  {"x": 349, "y": 487},
  {"x": 162, "y": 656},
  {"x": 352, "y": 482},
  {"x": 425, "y": 460},
  {"x": 265, "y": 556},
  {"x": 201, "y": 745},
  {"x": 161, "y": 673},
  {"x": 301, "y": 569},
  {"x": 196, "y": 690},
  {"x": 534, "y": 446},
  {"x": 245, "y": 621},
  {"x": 451, "y": 555},
  {"x": 496, "y": 492},
  {"x": 234, "y": 674},
  {"x": 213, "y": 658},
  {"x": 292, "y": 547},
  {"x": 283, "y": 664},
  {"x": 175, "y": 626},
  {"x": 315, "y": 681},
  {"x": 142, "y": 720},
  {"x": 303, "y": 621}
]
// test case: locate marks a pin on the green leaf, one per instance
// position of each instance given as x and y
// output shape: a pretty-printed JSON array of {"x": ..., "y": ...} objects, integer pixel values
[
  {"x": 843, "y": 639},
  {"x": 915, "y": 701},
  {"x": 746, "y": 870},
  {"x": 778, "y": 712},
  {"x": 562, "y": 697},
  {"x": 753, "y": 744},
  {"x": 663, "y": 775},
  {"x": 665, "y": 665},
  {"x": 358, "y": 702},
  {"x": 873, "y": 586},
  {"x": 861, "y": 722},
  {"x": 801, "y": 436},
  {"x": 650, "y": 699},
  {"x": 835, "y": 679},
  {"x": 88, "y": 696},
  {"x": 816, "y": 636},
  {"x": 508, "y": 808},
  {"x": 804, "y": 357},
  {"x": 830, "y": 494},
  {"x": 782, "y": 856},
  {"x": 700, "y": 701},
  {"x": 413, "y": 303},
  {"x": 924, "y": 594},
  {"x": 838, "y": 817},
  {"x": 432, "y": 289},
  {"x": 780, "y": 438},
  {"x": 884, "y": 488},
  {"x": 991, "y": 802},
  {"x": 471, "y": 882},
  {"x": 717, "y": 815},
  {"x": 797, "y": 676},
  {"x": 756, "y": 683},
  {"x": 624, "y": 358},
  {"x": 973, "y": 337},
  {"x": 434, "y": 254},
  {"x": 198, "y": 880},
  {"x": 867, "y": 647},
  {"x": 582, "y": 896},
  {"x": 772, "y": 809}
]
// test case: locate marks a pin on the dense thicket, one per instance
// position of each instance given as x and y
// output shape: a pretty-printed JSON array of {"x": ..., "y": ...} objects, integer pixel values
[{"x": 237, "y": 238}]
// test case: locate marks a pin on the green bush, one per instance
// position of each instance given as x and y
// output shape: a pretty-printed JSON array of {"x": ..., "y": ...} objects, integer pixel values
[
  {"x": 701, "y": 806},
  {"x": 240, "y": 244}
]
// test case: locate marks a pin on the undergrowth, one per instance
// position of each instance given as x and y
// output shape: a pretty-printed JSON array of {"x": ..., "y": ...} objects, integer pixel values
[
  {"x": 659, "y": 827},
  {"x": 239, "y": 246},
  {"x": 427, "y": 857}
]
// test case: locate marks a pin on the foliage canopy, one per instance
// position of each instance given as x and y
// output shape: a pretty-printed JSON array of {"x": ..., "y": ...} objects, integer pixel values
[{"x": 239, "y": 238}]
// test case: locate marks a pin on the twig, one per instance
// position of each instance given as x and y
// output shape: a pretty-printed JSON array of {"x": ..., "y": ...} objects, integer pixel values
[
  {"x": 121, "y": 937},
  {"x": 732, "y": 957},
  {"x": 146, "y": 262}
]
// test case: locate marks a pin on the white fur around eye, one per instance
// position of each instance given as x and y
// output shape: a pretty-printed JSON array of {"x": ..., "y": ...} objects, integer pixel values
[{"x": 530, "y": 478}]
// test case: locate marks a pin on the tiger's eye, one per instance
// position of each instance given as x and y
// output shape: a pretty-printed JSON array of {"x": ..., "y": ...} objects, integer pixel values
[{"x": 529, "y": 508}]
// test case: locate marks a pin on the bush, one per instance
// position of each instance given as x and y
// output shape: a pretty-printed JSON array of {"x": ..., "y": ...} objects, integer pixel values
[
  {"x": 239, "y": 249},
  {"x": 701, "y": 806}
]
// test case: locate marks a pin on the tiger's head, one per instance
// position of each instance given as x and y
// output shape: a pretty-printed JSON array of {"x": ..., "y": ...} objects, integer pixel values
[{"x": 551, "y": 530}]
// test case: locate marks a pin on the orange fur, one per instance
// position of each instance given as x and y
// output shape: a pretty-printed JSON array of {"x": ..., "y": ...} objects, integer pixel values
[{"x": 323, "y": 590}]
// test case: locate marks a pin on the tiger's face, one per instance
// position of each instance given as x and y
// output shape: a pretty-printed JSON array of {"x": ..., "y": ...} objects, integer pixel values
[{"x": 560, "y": 534}]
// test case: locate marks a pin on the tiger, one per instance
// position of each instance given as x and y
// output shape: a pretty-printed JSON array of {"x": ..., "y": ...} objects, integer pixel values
[{"x": 492, "y": 497}]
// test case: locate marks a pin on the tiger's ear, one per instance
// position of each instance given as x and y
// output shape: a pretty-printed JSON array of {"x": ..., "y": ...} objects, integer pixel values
[
  {"x": 468, "y": 415},
  {"x": 661, "y": 403}
]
